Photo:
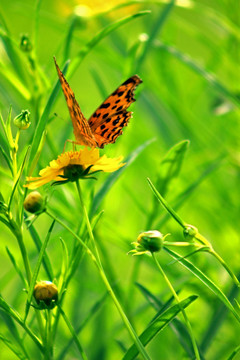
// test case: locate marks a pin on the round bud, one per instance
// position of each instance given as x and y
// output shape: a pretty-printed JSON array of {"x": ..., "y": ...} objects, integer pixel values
[
  {"x": 46, "y": 294},
  {"x": 34, "y": 202},
  {"x": 189, "y": 232},
  {"x": 22, "y": 120},
  {"x": 151, "y": 240}
]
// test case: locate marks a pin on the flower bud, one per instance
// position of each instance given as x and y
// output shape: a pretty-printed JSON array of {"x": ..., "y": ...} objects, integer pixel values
[
  {"x": 22, "y": 120},
  {"x": 189, "y": 232},
  {"x": 34, "y": 202},
  {"x": 46, "y": 294},
  {"x": 151, "y": 240},
  {"x": 25, "y": 43}
]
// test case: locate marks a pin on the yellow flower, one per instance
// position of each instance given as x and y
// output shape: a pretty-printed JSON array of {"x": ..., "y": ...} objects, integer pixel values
[{"x": 74, "y": 165}]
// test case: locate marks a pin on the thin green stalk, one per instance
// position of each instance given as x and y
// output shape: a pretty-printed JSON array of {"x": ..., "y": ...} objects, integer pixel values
[
  {"x": 18, "y": 234},
  {"x": 222, "y": 262},
  {"x": 129, "y": 327},
  {"x": 195, "y": 348},
  {"x": 74, "y": 335},
  {"x": 48, "y": 336},
  {"x": 89, "y": 228}
]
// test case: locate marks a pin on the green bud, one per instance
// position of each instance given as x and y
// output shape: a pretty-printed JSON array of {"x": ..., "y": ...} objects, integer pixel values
[
  {"x": 45, "y": 294},
  {"x": 189, "y": 232},
  {"x": 34, "y": 202},
  {"x": 151, "y": 240},
  {"x": 22, "y": 120},
  {"x": 25, "y": 43}
]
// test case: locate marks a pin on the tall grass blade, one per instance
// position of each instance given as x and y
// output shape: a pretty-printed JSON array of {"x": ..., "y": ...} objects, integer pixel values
[
  {"x": 43, "y": 121},
  {"x": 205, "y": 280},
  {"x": 192, "y": 64},
  {"x": 163, "y": 16},
  {"x": 36, "y": 270},
  {"x": 98, "y": 198},
  {"x": 101, "y": 35},
  {"x": 158, "y": 324},
  {"x": 13, "y": 348},
  {"x": 11, "y": 312}
]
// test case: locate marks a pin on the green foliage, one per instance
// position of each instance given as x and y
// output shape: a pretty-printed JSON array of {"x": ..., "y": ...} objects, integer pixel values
[{"x": 184, "y": 136}]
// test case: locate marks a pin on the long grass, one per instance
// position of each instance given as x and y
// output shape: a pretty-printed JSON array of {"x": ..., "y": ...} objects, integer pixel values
[{"x": 181, "y": 177}]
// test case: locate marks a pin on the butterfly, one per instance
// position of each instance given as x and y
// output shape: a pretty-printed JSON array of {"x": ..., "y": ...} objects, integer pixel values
[{"x": 106, "y": 123}]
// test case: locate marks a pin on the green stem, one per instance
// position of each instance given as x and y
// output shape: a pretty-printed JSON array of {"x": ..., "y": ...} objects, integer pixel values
[
  {"x": 48, "y": 336},
  {"x": 18, "y": 234},
  {"x": 74, "y": 335},
  {"x": 89, "y": 228},
  {"x": 195, "y": 348},
  {"x": 128, "y": 325},
  {"x": 222, "y": 262}
]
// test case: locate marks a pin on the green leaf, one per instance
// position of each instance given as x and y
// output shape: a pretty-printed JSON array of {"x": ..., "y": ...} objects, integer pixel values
[
  {"x": 158, "y": 324},
  {"x": 9, "y": 322},
  {"x": 13, "y": 261},
  {"x": 235, "y": 352},
  {"x": 163, "y": 16},
  {"x": 13, "y": 348},
  {"x": 43, "y": 122},
  {"x": 18, "y": 178},
  {"x": 8, "y": 161},
  {"x": 94, "y": 309},
  {"x": 178, "y": 327},
  {"x": 73, "y": 333},
  {"x": 36, "y": 270},
  {"x": 192, "y": 64},
  {"x": 46, "y": 261},
  {"x": 169, "y": 168},
  {"x": 101, "y": 35},
  {"x": 14, "y": 314},
  {"x": 98, "y": 198},
  {"x": 205, "y": 280}
]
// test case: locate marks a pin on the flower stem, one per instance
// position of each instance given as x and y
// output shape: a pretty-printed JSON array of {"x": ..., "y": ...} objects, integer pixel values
[
  {"x": 48, "y": 336},
  {"x": 195, "y": 348},
  {"x": 89, "y": 228},
  {"x": 222, "y": 262},
  {"x": 127, "y": 323},
  {"x": 74, "y": 335}
]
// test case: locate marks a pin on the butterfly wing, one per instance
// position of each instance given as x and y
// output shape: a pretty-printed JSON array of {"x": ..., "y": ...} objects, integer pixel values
[
  {"x": 81, "y": 129},
  {"x": 108, "y": 120}
]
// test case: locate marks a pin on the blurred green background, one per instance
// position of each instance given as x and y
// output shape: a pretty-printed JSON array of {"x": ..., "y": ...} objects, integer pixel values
[{"x": 189, "y": 64}]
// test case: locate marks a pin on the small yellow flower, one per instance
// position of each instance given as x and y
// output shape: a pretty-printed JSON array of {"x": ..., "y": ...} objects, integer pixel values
[{"x": 74, "y": 165}]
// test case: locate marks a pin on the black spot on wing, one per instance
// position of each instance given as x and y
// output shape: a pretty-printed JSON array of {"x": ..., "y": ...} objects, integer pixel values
[{"x": 104, "y": 106}]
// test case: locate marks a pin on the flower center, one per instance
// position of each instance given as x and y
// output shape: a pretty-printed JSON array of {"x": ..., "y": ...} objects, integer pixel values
[{"x": 73, "y": 172}]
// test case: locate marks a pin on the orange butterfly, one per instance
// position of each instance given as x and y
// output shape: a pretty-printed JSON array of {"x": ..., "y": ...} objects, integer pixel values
[{"x": 106, "y": 123}]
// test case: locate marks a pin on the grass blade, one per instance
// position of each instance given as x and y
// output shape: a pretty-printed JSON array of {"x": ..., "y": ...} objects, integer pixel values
[
  {"x": 101, "y": 35},
  {"x": 13, "y": 348},
  {"x": 11, "y": 312},
  {"x": 155, "y": 31},
  {"x": 46, "y": 261},
  {"x": 43, "y": 122},
  {"x": 36, "y": 270},
  {"x": 98, "y": 198},
  {"x": 192, "y": 64},
  {"x": 157, "y": 325},
  {"x": 13, "y": 261},
  {"x": 205, "y": 280}
]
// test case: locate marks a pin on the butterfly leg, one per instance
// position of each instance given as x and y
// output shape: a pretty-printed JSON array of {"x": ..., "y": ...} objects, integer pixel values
[{"x": 74, "y": 143}]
